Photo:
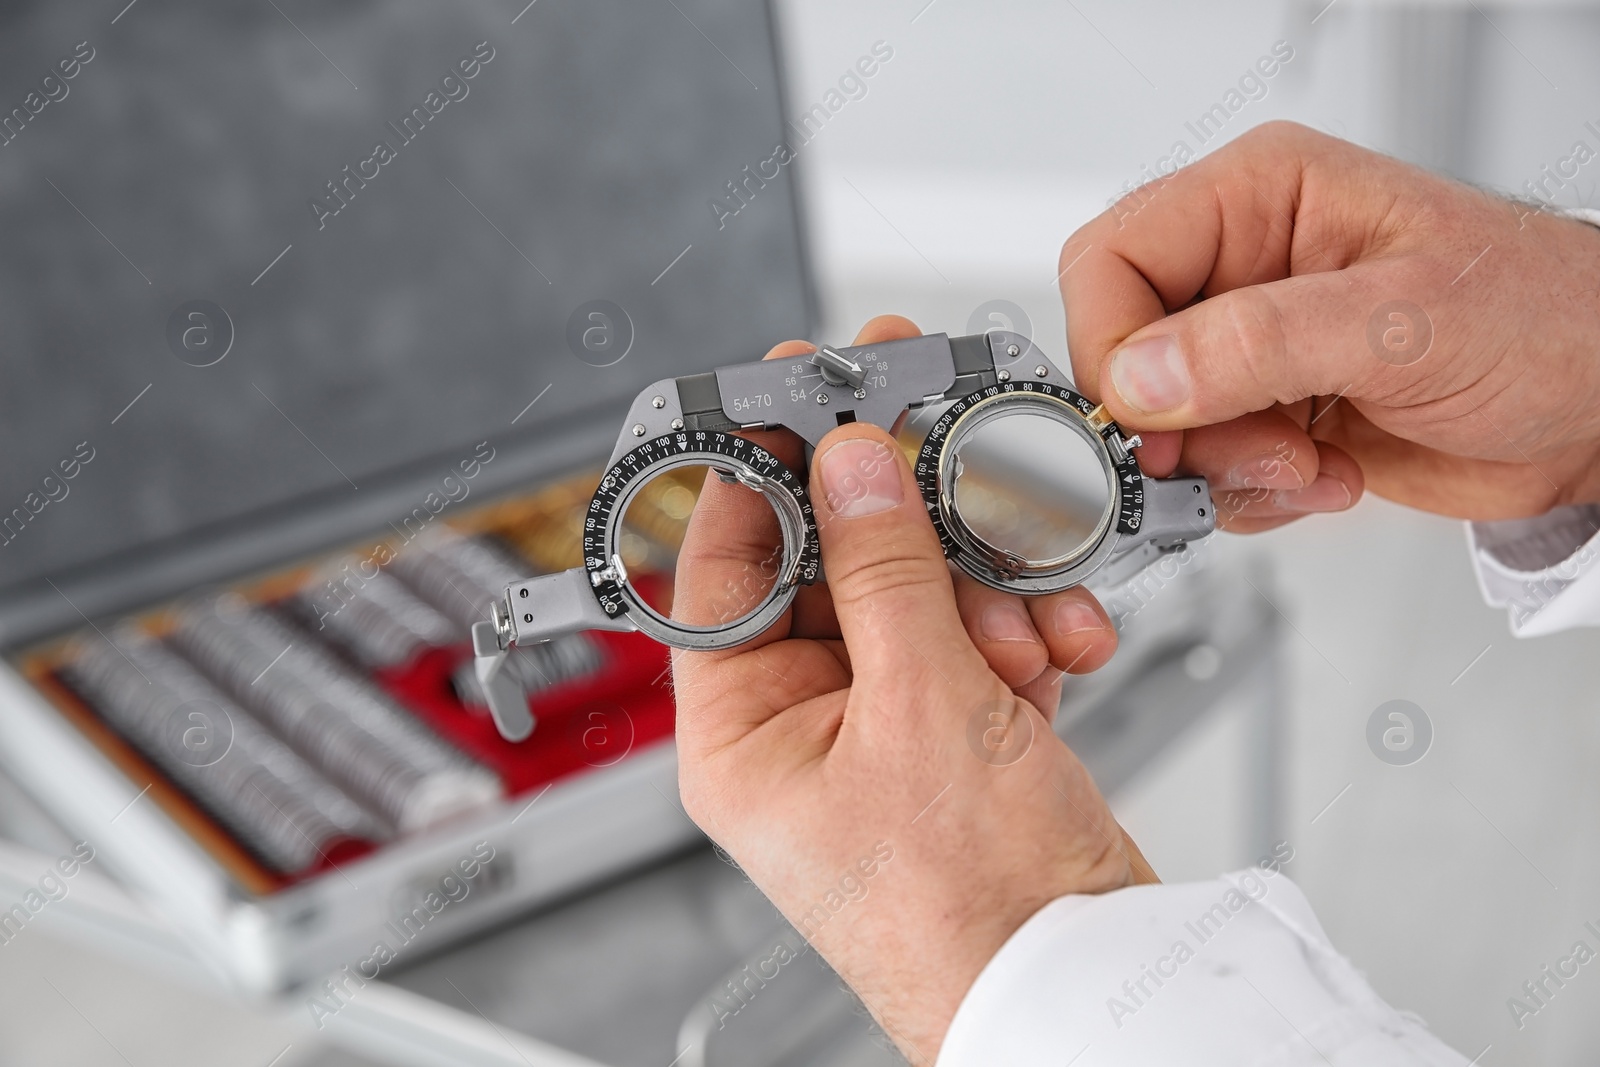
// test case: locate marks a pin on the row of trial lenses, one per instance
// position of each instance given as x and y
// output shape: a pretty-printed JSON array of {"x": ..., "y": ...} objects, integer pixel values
[
  {"x": 379, "y": 621},
  {"x": 536, "y": 667},
  {"x": 459, "y": 575},
  {"x": 332, "y": 715},
  {"x": 273, "y": 802}
]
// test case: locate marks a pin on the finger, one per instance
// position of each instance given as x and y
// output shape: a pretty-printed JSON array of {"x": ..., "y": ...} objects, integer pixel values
[
  {"x": 1261, "y": 450},
  {"x": 1338, "y": 485},
  {"x": 723, "y": 543},
  {"x": 1223, "y": 223},
  {"x": 729, "y": 559},
  {"x": 1076, "y": 629},
  {"x": 722, "y": 699},
  {"x": 730, "y": 556},
  {"x": 785, "y": 444},
  {"x": 1023, "y": 638},
  {"x": 813, "y": 615},
  {"x": 1280, "y": 316},
  {"x": 891, "y": 587},
  {"x": 1158, "y": 455},
  {"x": 1002, "y": 628},
  {"x": 1044, "y": 693},
  {"x": 725, "y": 695},
  {"x": 1249, "y": 349},
  {"x": 886, "y": 328}
]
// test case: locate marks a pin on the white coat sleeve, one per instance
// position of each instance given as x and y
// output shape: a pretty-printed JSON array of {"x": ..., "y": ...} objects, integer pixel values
[
  {"x": 1545, "y": 572},
  {"x": 1234, "y": 972},
  {"x": 1238, "y": 971}
]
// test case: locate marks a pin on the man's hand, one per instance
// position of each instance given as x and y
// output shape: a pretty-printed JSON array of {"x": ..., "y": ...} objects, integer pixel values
[
  {"x": 1305, "y": 318},
  {"x": 874, "y": 761}
]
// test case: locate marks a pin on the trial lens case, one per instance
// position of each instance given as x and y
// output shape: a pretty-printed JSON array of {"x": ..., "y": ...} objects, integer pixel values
[{"x": 375, "y": 354}]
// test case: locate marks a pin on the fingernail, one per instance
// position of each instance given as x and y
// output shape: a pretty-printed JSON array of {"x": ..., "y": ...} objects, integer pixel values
[
  {"x": 1006, "y": 621},
  {"x": 860, "y": 477},
  {"x": 1150, "y": 374},
  {"x": 1325, "y": 493},
  {"x": 1074, "y": 616},
  {"x": 1267, "y": 471}
]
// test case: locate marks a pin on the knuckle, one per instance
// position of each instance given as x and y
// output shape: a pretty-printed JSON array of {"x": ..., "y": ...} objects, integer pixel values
[
  {"x": 787, "y": 349},
  {"x": 692, "y": 796},
  {"x": 1278, "y": 134},
  {"x": 893, "y": 572},
  {"x": 1252, "y": 334},
  {"x": 1071, "y": 249},
  {"x": 890, "y": 325},
  {"x": 701, "y": 798},
  {"x": 695, "y": 806},
  {"x": 1017, "y": 663}
]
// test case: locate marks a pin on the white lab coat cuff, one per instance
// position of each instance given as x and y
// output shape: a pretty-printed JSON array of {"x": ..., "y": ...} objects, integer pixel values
[
  {"x": 1545, "y": 571},
  {"x": 1235, "y": 972},
  {"x": 1584, "y": 214}
]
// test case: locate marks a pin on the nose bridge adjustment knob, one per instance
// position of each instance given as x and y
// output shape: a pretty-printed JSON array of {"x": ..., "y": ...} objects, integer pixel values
[{"x": 839, "y": 369}]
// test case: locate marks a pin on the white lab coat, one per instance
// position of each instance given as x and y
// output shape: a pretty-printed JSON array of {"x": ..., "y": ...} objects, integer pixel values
[{"x": 1237, "y": 971}]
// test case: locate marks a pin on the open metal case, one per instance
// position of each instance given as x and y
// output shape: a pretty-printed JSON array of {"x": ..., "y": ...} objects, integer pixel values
[{"x": 389, "y": 344}]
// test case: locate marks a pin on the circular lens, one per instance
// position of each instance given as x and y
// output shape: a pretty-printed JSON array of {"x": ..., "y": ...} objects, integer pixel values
[
  {"x": 700, "y": 538},
  {"x": 1032, "y": 483},
  {"x": 702, "y": 548}
]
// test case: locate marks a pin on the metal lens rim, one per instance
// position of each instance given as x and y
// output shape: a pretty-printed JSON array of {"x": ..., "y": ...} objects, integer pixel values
[
  {"x": 992, "y": 564},
  {"x": 791, "y": 522}
]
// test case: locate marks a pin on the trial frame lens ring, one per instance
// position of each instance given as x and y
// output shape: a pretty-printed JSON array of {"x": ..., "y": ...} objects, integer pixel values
[
  {"x": 792, "y": 525},
  {"x": 996, "y": 565}
]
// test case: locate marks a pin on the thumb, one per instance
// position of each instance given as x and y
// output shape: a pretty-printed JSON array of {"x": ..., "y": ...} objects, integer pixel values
[
  {"x": 1250, "y": 348},
  {"x": 891, "y": 587}
]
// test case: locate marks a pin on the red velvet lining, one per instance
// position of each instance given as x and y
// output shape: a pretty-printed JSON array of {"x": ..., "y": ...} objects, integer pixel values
[{"x": 582, "y": 724}]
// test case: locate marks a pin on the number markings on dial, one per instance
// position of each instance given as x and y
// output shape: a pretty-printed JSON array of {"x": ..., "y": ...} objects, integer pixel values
[
  {"x": 602, "y": 513},
  {"x": 1130, "y": 480}
]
